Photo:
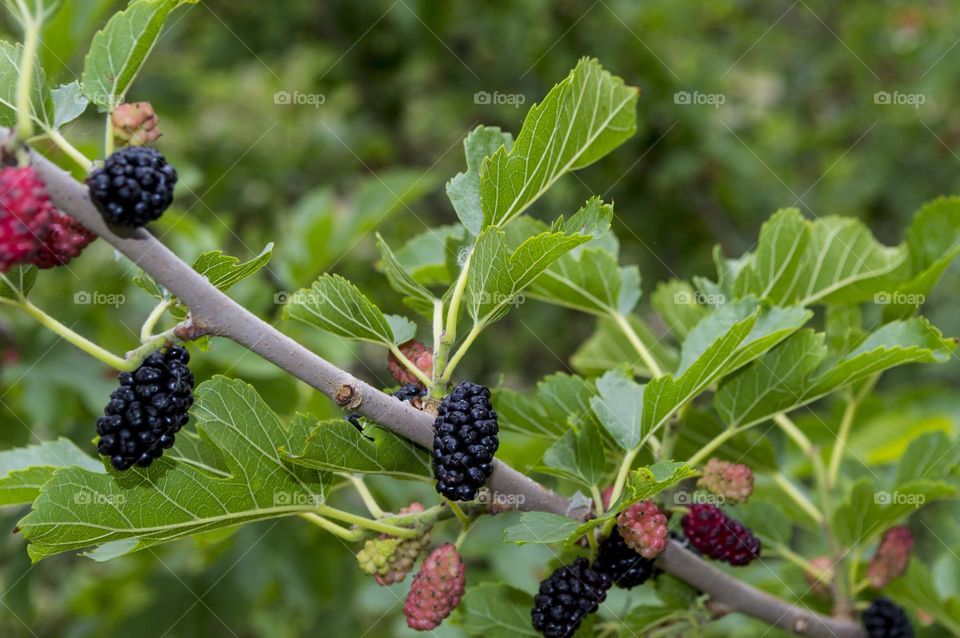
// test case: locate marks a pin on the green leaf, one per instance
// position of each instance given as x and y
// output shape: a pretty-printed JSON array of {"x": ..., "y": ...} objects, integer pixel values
[
  {"x": 336, "y": 446},
  {"x": 223, "y": 271},
  {"x": 69, "y": 103},
  {"x": 917, "y": 590},
  {"x": 581, "y": 119},
  {"x": 79, "y": 508},
  {"x": 149, "y": 285},
  {"x": 777, "y": 379},
  {"x": 931, "y": 457},
  {"x": 497, "y": 276},
  {"x": 559, "y": 399},
  {"x": 415, "y": 295},
  {"x": 844, "y": 263},
  {"x": 751, "y": 447},
  {"x": 676, "y": 302},
  {"x": 578, "y": 455},
  {"x": 41, "y": 104},
  {"x": 541, "y": 528},
  {"x": 496, "y": 610},
  {"x": 608, "y": 348},
  {"x": 619, "y": 406},
  {"x": 337, "y": 306},
  {"x": 773, "y": 270},
  {"x": 16, "y": 283},
  {"x": 119, "y": 50},
  {"x": 24, "y": 470},
  {"x": 642, "y": 619},
  {"x": 868, "y": 510},
  {"x": 464, "y": 189},
  {"x": 426, "y": 255}
]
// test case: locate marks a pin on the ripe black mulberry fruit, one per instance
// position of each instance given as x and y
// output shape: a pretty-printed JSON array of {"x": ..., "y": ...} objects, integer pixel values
[
  {"x": 566, "y": 597},
  {"x": 718, "y": 536},
  {"x": 147, "y": 410},
  {"x": 464, "y": 441},
  {"x": 885, "y": 619},
  {"x": 621, "y": 563},
  {"x": 134, "y": 186}
]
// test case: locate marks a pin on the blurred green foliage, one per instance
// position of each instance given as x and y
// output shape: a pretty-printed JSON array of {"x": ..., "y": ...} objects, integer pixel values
[{"x": 801, "y": 123}]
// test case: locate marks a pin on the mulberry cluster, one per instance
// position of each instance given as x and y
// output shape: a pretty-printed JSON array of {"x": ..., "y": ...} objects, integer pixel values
[
  {"x": 147, "y": 410},
  {"x": 892, "y": 556},
  {"x": 32, "y": 230},
  {"x": 418, "y": 354},
  {"x": 884, "y": 619},
  {"x": 566, "y": 597},
  {"x": 134, "y": 186},
  {"x": 644, "y": 528},
  {"x": 718, "y": 536},
  {"x": 464, "y": 442},
  {"x": 436, "y": 589},
  {"x": 623, "y": 565},
  {"x": 732, "y": 481}
]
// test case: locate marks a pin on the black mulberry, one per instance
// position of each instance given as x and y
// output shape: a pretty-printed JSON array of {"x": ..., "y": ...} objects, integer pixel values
[
  {"x": 147, "y": 410},
  {"x": 622, "y": 564},
  {"x": 566, "y": 597},
  {"x": 885, "y": 619},
  {"x": 464, "y": 441},
  {"x": 134, "y": 186}
]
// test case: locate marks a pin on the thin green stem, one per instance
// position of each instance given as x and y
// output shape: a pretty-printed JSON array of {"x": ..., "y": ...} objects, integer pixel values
[
  {"x": 425, "y": 518},
  {"x": 592, "y": 541},
  {"x": 453, "y": 312},
  {"x": 791, "y": 430},
  {"x": 146, "y": 331},
  {"x": 461, "y": 351},
  {"x": 459, "y": 513},
  {"x": 108, "y": 135},
  {"x": 798, "y": 497},
  {"x": 462, "y": 536},
  {"x": 715, "y": 443},
  {"x": 836, "y": 456},
  {"x": 439, "y": 354},
  {"x": 70, "y": 150},
  {"x": 78, "y": 340},
  {"x": 365, "y": 495},
  {"x": 28, "y": 60},
  {"x": 414, "y": 370},
  {"x": 366, "y": 523},
  {"x": 624, "y": 324},
  {"x": 597, "y": 499},
  {"x": 349, "y": 535},
  {"x": 788, "y": 554}
]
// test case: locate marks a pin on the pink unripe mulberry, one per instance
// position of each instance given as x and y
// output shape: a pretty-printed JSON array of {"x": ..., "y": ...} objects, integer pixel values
[
  {"x": 25, "y": 215},
  {"x": 135, "y": 123},
  {"x": 732, "y": 481},
  {"x": 406, "y": 554},
  {"x": 820, "y": 582},
  {"x": 644, "y": 528},
  {"x": 436, "y": 589},
  {"x": 892, "y": 556},
  {"x": 419, "y": 355}
]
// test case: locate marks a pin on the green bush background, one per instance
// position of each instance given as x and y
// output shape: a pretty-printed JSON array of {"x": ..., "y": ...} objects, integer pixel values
[{"x": 799, "y": 126}]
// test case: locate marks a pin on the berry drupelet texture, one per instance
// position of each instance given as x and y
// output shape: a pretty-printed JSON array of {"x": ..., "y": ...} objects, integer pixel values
[
  {"x": 644, "y": 528},
  {"x": 718, "y": 536},
  {"x": 65, "y": 239},
  {"x": 134, "y": 186},
  {"x": 622, "y": 564},
  {"x": 566, "y": 597},
  {"x": 732, "y": 481},
  {"x": 464, "y": 441},
  {"x": 892, "y": 556},
  {"x": 147, "y": 410},
  {"x": 436, "y": 590},
  {"x": 418, "y": 354},
  {"x": 885, "y": 619}
]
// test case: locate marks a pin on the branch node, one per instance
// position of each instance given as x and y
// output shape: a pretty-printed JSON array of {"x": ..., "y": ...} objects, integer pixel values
[
  {"x": 800, "y": 626},
  {"x": 348, "y": 397}
]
